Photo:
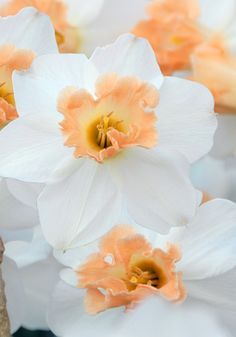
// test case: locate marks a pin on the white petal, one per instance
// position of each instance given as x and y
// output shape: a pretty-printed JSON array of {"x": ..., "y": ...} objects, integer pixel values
[
  {"x": 67, "y": 316},
  {"x": 216, "y": 14},
  {"x": 171, "y": 320},
  {"x": 82, "y": 12},
  {"x": 115, "y": 18},
  {"x": 157, "y": 188},
  {"x": 129, "y": 55},
  {"x": 26, "y": 193},
  {"x": 208, "y": 244},
  {"x": 75, "y": 256},
  {"x": 37, "y": 90},
  {"x": 69, "y": 276},
  {"x": 80, "y": 208},
  {"x": 186, "y": 121},
  {"x": 25, "y": 253},
  {"x": 225, "y": 137},
  {"x": 33, "y": 148},
  {"x": 14, "y": 293},
  {"x": 29, "y": 29},
  {"x": 210, "y": 176},
  {"x": 39, "y": 280},
  {"x": 25, "y": 234},
  {"x": 13, "y": 213},
  {"x": 219, "y": 290}
]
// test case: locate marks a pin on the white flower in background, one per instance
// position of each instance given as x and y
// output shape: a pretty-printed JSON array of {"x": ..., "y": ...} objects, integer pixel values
[
  {"x": 191, "y": 265},
  {"x": 225, "y": 137},
  {"x": 18, "y": 205},
  {"x": 194, "y": 35},
  {"x": 107, "y": 134},
  {"x": 22, "y": 38},
  {"x": 216, "y": 178},
  {"x": 30, "y": 273},
  {"x": 71, "y": 18}
]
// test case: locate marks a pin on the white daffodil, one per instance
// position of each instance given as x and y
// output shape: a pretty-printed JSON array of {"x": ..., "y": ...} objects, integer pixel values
[
  {"x": 192, "y": 265},
  {"x": 71, "y": 19},
  {"x": 22, "y": 38},
  {"x": 107, "y": 134},
  {"x": 30, "y": 273}
]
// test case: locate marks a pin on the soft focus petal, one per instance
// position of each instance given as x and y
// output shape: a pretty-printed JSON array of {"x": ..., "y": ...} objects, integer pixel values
[
  {"x": 80, "y": 208},
  {"x": 39, "y": 280},
  {"x": 26, "y": 193},
  {"x": 13, "y": 213},
  {"x": 129, "y": 55},
  {"x": 208, "y": 244},
  {"x": 29, "y": 29},
  {"x": 210, "y": 176},
  {"x": 67, "y": 316},
  {"x": 14, "y": 293},
  {"x": 82, "y": 12},
  {"x": 157, "y": 188},
  {"x": 119, "y": 17},
  {"x": 188, "y": 319},
  {"x": 25, "y": 253},
  {"x": 217, "y": 15},
  {"x": 186, "y": 121},
  {"x": 225, "y": 137},
  {"x": 219, "y": 290}
]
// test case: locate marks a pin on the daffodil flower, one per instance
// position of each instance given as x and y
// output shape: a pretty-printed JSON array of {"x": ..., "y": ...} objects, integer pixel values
[
  {"x": 108, "y": 135},
  {"x": 103, "y": 288}
]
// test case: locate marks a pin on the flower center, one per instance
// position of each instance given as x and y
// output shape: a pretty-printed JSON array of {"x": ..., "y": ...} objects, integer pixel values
[
  {"x": 106, "y": 124},
  {"x": 122, "y": 115},
  {"x": 146, "y": 272},
  {"x": 6, "y": 94}
]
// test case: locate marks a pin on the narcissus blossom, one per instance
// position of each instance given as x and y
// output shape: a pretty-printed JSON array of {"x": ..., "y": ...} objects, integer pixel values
[
  {"x": 193, "y": 264},
  {"x": 109, "y": 135},
  {"x": 69, "y": 18},
  {"x": 196, "y": 35},
  {"x": 22, "y": 38},
  {"x": 173, "y": 32}
]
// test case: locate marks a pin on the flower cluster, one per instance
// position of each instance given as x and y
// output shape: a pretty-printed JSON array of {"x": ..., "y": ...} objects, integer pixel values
[{"x": 117, "y": 177}]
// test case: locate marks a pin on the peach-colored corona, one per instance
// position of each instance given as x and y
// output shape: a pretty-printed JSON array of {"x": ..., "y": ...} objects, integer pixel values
[
  {"x": 126, "y": 270},
  {"x": 215, "y": 67},
  {"x": 180, "y": 42},
  {"x": 11, "y": 58},
  {"x": 172, "y": 31},
  {"x": 120, "y": 116}
]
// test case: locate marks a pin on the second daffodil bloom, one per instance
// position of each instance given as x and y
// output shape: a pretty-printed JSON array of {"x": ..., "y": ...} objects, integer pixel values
[
  {"x": 199, "y": 36},
  {"x": 22, "y": 38},
  {"x": 109, "y": 136},
  {"x": 69, "y": 17},
  {"x": 192, "y": 264}
]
